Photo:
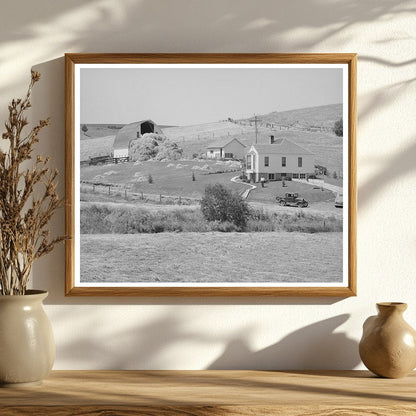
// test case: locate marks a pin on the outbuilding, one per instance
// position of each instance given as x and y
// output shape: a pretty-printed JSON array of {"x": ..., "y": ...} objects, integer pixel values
[{"x": 226, "y": 149}]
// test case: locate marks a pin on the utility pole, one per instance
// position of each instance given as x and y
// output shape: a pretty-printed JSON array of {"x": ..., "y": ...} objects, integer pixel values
[{"x": 255, "y": 125}]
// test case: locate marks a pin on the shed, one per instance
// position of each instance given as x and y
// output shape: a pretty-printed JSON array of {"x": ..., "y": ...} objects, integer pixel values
[{"x": 226, "y": 149}]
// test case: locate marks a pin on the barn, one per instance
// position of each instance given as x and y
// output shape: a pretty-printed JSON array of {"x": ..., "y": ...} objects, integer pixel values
[
  {"x": 278, "y": 159},
  {"x": 226, "y": 149},
  {"x": 130, "y": 132}
]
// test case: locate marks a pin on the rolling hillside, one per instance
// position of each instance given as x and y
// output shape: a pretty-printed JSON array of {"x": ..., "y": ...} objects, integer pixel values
[
  {"x": 310, "y": 128},
  {"x": 312, "y": 117}
]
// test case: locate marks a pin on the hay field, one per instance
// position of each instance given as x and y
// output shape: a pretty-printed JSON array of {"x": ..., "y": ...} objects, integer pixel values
[
  {"x": 212, "y": 257},
  {"x": 168, "y": 178}
]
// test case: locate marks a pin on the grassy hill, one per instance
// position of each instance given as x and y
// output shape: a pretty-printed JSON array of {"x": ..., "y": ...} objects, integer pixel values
[
  {"x": 310, "y": 128},
  {"x": 322, "y": 116},
  {"x": 100, "y": 146}
]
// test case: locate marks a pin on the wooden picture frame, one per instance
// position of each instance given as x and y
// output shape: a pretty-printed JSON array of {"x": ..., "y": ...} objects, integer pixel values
[{"x": 89, "y": 84}]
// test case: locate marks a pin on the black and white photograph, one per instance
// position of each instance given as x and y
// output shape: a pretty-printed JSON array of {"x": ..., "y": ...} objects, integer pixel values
[{"x": 211, "y": 175}]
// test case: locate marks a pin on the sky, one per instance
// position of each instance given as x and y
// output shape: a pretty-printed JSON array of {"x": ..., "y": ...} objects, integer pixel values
[{"x": 186, "y": 96}]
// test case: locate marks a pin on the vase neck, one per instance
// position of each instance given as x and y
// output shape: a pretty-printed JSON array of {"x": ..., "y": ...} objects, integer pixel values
[{"x": 391, "y": 308}]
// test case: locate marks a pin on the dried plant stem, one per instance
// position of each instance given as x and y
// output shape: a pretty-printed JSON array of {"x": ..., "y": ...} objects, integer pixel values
[{"x": 24, "y": 216}]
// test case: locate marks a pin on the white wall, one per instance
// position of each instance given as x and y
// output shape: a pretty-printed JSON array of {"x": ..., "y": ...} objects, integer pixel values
[{"x": 197, "y": 333}]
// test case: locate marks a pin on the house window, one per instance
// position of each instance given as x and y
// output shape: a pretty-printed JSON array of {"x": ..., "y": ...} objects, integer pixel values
[
  {"x": 211, "y": 151},
  {"x": 271, "y": 176},
  {"x": 295, "y": 175},
  {"x": 266, "y": 161},
  {"x": 303, "y": 175},
  {"x": 248, "y": 161},
  {"x": 283, "y": 161},
  {"x": 299, "y": 162},
  {"x": 282, "y": 174},
  {"x": 228, "y": 155}
]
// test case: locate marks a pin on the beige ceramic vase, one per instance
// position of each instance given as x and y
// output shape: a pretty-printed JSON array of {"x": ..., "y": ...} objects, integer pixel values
[
  {"x": 27, "y": 347},
  {"x": 388, "y": 344}
]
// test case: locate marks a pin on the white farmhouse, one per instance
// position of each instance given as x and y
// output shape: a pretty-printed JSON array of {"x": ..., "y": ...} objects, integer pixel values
[
  {"x": 280, "y": 158},
  {"x": 128, "y": 133},
  {"x": 226, "y": 149}
]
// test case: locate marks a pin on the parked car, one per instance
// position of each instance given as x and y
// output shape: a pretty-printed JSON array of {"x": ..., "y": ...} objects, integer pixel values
[
  {"x": 339, "y": 203},
  {"x": 291, "y": 199}
]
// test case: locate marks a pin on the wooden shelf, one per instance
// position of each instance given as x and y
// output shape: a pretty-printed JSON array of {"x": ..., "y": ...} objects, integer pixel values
[{"x": 202, "y": 393}]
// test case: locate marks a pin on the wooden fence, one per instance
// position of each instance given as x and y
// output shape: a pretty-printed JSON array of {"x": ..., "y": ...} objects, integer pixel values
[{"x": 126, "y": 193}]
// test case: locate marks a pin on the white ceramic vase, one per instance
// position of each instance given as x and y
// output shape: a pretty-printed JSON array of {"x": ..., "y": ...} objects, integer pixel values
[{"x": 27, "y": 347}]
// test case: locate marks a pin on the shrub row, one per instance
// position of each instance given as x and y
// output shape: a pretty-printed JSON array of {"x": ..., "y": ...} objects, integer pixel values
[{"x": 125, "y": 219}]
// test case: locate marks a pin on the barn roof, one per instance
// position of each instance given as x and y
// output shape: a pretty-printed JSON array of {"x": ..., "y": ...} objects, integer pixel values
[
  {"x": 128, "y": 133},
  {"x": 282, "y": 146},
  {"x": 223, "y": 142}
]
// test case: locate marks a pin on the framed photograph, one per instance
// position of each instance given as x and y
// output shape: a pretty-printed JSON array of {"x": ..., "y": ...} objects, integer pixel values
[{"x": 211, "y": 174}]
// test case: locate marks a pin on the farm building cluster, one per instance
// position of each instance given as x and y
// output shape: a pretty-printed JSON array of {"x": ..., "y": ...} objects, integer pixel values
[{"x": 280, "y": 158}]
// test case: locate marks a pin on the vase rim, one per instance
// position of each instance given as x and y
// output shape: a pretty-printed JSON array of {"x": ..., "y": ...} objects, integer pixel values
[
  {"x": 30, "y": 293},
  {"x": 401, "y": 306}
]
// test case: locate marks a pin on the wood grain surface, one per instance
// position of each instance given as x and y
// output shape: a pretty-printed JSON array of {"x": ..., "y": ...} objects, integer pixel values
[{"x": 202, "y": 393}]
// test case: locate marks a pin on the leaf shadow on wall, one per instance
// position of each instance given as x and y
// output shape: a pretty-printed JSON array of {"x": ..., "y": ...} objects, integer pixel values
[
  {"x": 313, "y": 347},
  {"x": 189, "y": 26},
  {"x": 151, "y": 345}
]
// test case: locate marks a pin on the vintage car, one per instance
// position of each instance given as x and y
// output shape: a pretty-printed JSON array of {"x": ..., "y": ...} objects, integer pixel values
[
  {"x": 291, "y": 199},
  {"x": 339, "y": 203}
]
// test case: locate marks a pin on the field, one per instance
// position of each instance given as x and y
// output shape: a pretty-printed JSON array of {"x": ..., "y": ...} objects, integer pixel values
[
  {"x": 194, "y": 139},
  {"x": 175, "y": 179},
  {"x": 133, "y": 229},
  {"x": 102, "y": 146},
  {"x": 220, "y": 257},
  {"x": 314, "y": 117},
  {"x": 121, "y": 217},
  {"x": 168, "y": 178},
  {"x": 272, "y": 189}
]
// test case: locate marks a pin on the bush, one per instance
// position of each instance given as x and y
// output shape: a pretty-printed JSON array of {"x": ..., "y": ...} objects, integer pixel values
[
  {"x": 220, "y": 204},
  {"x": 150, "y": 178},
  {"x": 84, "y": 128},
  {"x": 338, "y": 128}
]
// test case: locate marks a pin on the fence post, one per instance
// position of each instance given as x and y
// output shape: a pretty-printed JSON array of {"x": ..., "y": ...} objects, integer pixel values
[
  {"x": 109, "y": 189},
  {"x": 142, "y": 197},
  {"x": 180, "y": 200},
  {"x": 160, "y": 198},
  {"x": 125, "y": 194}
]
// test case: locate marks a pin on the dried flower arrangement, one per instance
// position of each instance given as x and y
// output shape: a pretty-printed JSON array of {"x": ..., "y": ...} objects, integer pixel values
[{"x": 28, "y": 199}]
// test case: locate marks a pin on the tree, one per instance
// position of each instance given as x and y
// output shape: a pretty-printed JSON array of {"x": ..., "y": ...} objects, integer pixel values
[
  {"x": 338, "y": 127},
  {"x": 84, "y": 128},
  {"x": 220, "y": 204}
]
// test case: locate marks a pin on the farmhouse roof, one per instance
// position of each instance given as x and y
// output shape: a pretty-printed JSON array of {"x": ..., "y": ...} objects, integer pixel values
[
  {"x": 282, "y": 146},
  {"x": 223, "y": 142},
  {"x": 129, "y": 132}
]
